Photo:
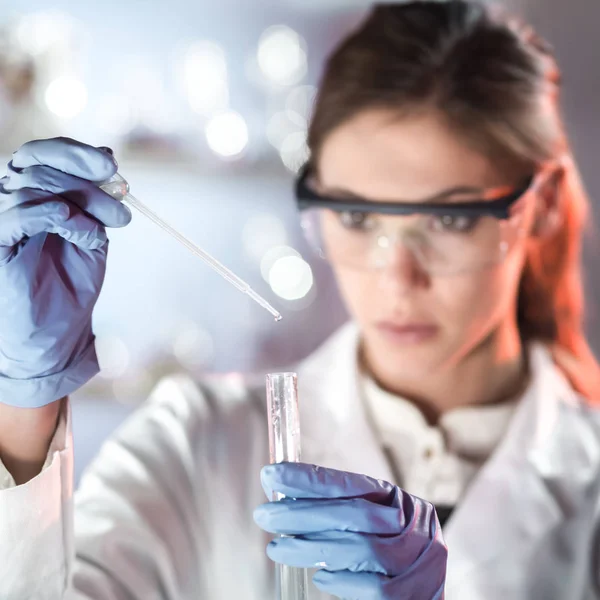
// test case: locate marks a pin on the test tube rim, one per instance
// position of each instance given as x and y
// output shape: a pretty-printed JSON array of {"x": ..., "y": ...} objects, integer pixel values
[{"x": 283, "y": 374}]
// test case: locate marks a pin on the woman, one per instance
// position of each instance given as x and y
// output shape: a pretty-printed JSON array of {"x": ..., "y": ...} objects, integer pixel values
[{"x": 442, "y": 190}]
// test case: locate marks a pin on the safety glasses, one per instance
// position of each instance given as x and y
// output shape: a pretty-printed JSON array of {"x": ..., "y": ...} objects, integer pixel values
[{"x": 460, "y": 234}]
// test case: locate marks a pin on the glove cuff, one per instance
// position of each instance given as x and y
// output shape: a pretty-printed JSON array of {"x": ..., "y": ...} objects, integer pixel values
[{"x": 41, "y": 391}]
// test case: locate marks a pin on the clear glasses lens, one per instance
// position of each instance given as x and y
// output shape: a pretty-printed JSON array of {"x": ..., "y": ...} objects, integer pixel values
[{"x": 442, "y": 244}]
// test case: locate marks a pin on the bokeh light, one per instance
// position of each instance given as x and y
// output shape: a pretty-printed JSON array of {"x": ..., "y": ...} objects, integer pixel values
[
  {"x": 282, "y": 55},
  {"x": 261, "y": 232},
  {"x": 291, "y": 278},
  {"x": 287, "y": 130},
  {"x": 66, "y": 97},
  {"x": 41, "y": 31},
  {"x": 204, "y": 77},
  {"x": 193, "y": 346},
  {"x": 279, "y": 127},
  {"x": 299, "y": 104},
  {"x": 272, "y": 256},
  {"x": 227, "y": 134},
  {"x": 294, "y": 151}
]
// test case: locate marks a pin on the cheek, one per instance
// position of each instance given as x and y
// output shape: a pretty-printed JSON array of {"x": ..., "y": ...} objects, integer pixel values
[
  {"x": 475, "y": 303},
  {"x": 462, "y": 305}
]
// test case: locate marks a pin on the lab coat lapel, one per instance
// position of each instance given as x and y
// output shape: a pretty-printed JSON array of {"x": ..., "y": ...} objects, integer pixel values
[
  {"x": 536, "y": 475},
  {"x": 335, "y": 429}
]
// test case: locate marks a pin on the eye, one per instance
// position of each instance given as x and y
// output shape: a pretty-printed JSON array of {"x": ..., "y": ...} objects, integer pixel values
[
  {"x": 454, "y": 224},
  {"x": 355, "y": 220}
]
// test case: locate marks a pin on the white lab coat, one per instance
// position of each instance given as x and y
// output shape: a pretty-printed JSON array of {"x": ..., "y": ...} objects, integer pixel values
[{"x": 165, "y": 512}]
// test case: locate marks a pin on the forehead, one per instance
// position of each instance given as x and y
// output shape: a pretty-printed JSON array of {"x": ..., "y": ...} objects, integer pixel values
[{"x": 380, "y": 155}]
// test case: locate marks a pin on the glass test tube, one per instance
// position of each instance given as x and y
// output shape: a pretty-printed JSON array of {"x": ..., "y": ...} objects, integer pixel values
[{"x": 284, "y": 445}]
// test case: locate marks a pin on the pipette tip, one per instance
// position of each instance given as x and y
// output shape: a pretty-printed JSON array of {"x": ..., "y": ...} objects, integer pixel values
[{"x": 260, "y": 300}]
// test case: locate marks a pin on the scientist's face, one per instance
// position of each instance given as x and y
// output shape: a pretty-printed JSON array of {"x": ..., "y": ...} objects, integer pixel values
[{"x": 411, "y": 320}]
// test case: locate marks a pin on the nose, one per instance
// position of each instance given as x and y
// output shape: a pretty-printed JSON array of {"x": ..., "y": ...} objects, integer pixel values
[{"x": 401, "y": 272}]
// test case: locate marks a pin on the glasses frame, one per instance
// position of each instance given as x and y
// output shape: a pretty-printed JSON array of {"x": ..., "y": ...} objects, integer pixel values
[{"x": 499, "y": 208}]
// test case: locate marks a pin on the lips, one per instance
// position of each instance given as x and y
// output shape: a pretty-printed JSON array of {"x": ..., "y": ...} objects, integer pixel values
[{"x": 407, "y": 332}]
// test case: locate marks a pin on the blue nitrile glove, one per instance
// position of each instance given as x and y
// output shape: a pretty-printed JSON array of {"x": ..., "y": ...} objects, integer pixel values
[
  {"x": 52, "y": 262},
  {"x": 371, "y": 539}
]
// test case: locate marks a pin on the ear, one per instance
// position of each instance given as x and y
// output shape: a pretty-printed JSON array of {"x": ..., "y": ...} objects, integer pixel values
[{"x": 548, "y": 216}]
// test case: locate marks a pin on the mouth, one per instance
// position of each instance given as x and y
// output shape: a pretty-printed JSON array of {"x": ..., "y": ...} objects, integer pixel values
[{"x": 407, "y": 333}]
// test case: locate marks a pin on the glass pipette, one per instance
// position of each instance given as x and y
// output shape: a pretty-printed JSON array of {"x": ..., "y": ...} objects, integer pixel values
[{"x": 118, "y": 188}]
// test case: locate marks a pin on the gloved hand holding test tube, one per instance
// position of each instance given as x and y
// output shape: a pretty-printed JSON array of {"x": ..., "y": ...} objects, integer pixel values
[{"x": 118, "y": 188}]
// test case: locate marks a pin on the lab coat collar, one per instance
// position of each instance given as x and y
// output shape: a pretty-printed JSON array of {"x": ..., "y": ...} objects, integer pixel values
[
  {"x": 335, "y": 428},
  {"x": 539, "y": 473}
]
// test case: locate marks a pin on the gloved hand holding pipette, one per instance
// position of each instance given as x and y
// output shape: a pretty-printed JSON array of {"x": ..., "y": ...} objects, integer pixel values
[
  {"x": 371, "y": 539},
  {"x": 63, "y": 187},
  {"x": 50, "y": 283}
]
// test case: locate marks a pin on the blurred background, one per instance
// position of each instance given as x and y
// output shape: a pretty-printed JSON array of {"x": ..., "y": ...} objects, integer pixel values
[{"x": 206, "y": 105}]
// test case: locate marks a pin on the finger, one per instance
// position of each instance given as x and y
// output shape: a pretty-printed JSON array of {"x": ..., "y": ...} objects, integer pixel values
[
  {"x": 299, "y": 480},
  {"x": 27, "y": 221},
  {"x": 88, "y": 196},
  {"x": 341, "y": 551},
  {"x": 81, "y": 230},
  {"x": 10, "y": 199},
  {"x": 50, "y": 217},
  {"x": 354, "y": 586},
  {"x": 69, "y": 156},
  {"x": 299, "y": 517}
]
